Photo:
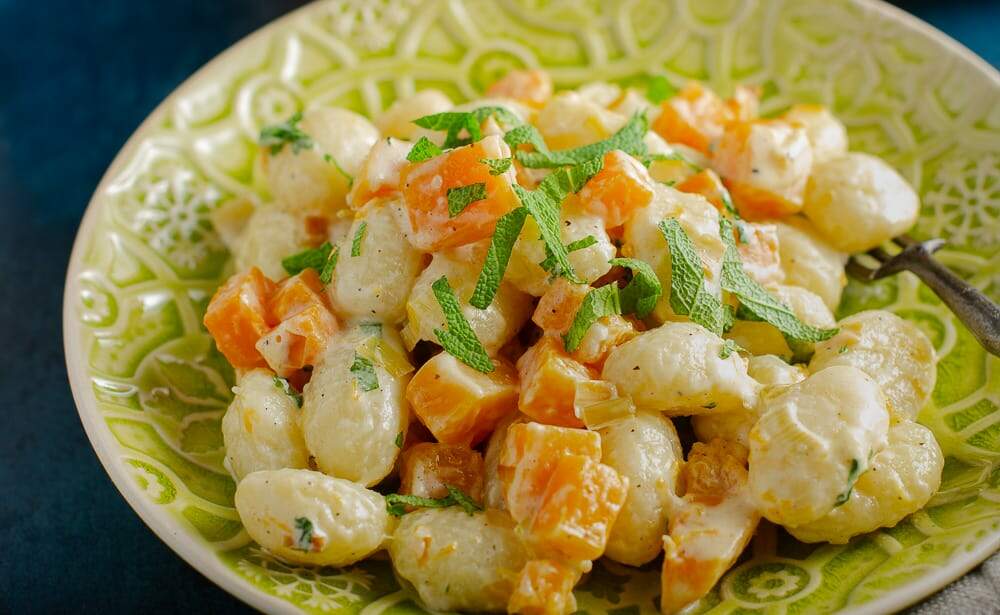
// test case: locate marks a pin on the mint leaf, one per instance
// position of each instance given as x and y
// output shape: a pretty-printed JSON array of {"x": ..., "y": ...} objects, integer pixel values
[
  {"x": 498, "y": 166},
  {"x": 550, "y": 261},
  {"x": 659, "y": 89},
  {"x": 313, "y": 258},
  {"x": 364, "y": 373},
  {"x": 629, "y": 139},
  {"x": 326, "y": 273},
  {"x": 467, "y": 503},
  {"x": 501, "y": 245},
  {"x": 303, "y": 535},
  {"x": 276, "y": 136},
  {"x": 459, "y": 340},
  {"x": 599, "y": 302},
  {"x": 526, "y": 134},
  {"x": 639, "y": 297},
  {"x": 463, "y": 196},
  {"x": 853, "y": 474},
  {"x": 423, "y": 149},
  {"x": 282, "y": 385},
  {"x": 688, "y": 295},
  {"x": 454, "y": 122},
  {"x": 399, "y": 440},
  {"x": 728, "y": 348},
  {"x": 396, "y": 503},
  {"x": 755, "y": 300},
  {"x": 359, "y": 237},
  {"x": 371, "y": 329},
  {"x": 340, "y": 169}
]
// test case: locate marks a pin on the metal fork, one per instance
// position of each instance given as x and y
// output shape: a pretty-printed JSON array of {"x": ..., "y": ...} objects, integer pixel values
[{"x": 972, "y": 307}]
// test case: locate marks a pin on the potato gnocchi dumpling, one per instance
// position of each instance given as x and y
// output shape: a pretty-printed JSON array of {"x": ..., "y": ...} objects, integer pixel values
[
  {"x": 677, "y": 256},
  {"x": 307, "y": 517}
]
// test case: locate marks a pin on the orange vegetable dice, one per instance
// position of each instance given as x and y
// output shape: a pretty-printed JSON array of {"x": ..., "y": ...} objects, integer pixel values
[
  {"x": 744, "y": 104},
  {"x": 578, "y": 508},
  {"x": 528, "y": 459},
  {"x": 379, "y": 172},
  {"x": 545, "y": 587},
  {"x": 532, "y": 87},
  {"x": 557, "y": 308},
  {"x": 299, "y": 340},
  {"x": 237, "y": 317},
  {"x": 548, "y": 382},
  {"x": 708, "y": 184},
  {"x": 458, "y": 404},
  {"x": 297, "y": 293},
  {"x": 622, "y": 186},
  {"x": 428, "y": 468},
  {"x": 758, "y": 248},
  {"x": 425, "y": 190},
  {"x": 696, "y": 117}
]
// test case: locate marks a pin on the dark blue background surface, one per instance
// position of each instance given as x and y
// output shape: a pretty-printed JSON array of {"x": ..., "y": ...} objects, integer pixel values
[{"x": 75, "y": 80}]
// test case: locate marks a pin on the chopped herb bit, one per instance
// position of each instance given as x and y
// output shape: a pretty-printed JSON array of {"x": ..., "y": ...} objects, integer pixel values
[
  {"x": 550, "y": 261},
  {"x": 423, "y": 149},
  {"x": 371, "y": 329},
  {"x": 399, "y": 440},
  {"x": 710, "y": 405},
  {"x": 313, "y": 258},
  {"x": 282, "y": 385},
  {"x": 688, "y": 295},
  {"x": 629, "y": 139},
  {"x": 599, "y": 302},
  {"x": 526, "y": 134},
  {"x": 454, "y": 122},
  {"x": 340, "y": 169},
  {"x": 639, "y": 297},
  {"x": 659, "y": 89},
  {"x": 728, "y": 348},
  {"x": 303, "y": 540},
  {"x": 843, "y": 350},
  {"x": 755, "y": 300},
  {"x": 276, "y": 136},
  {"x": 364, "y": 373},
  {"x": 501, "y": 245},
  {"x": 498, "y": 166},
  {"x": 396, "y": 503},
  {"x": 359, "y": 237},
  {"x": 853, "y": 474},
  {"x": 463, "y": 196},
  {"x": 459, "y": 339},
  {"x": 769, "y": 89},
  {"x": 727, "y": 203},
  {"x": 326, "y": 273}
]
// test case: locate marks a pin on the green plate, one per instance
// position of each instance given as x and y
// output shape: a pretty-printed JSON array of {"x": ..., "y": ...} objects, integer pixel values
[{"x": 151, "y": 390}]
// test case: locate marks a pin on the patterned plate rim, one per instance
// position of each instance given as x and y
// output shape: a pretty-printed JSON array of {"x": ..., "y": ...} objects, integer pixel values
[{"x": 186, "y": 545}]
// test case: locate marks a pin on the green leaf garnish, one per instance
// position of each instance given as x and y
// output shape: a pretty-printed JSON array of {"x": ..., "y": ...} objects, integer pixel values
[
  {"x": 550, "y": 261},
  {"x": 423, "y": 149},
  {"x": 639, "y": 297},
  {"x": 364, "y": 373},
  {"x": 755, "y": 300},
  {"x": 359, "y": 237},
  {"x": 843, "y": 350},
  {"x": 396, "y": 503},
  {"x": 628, "y": 139},
  {"x": 852, "y": 478},
  {"x": 340, "y": 169},
  {"x": 371, "y": 329},
  {"x": 501, "y": 245},
  {"x": 454, "y": 122},
  {"x": 659, "y": 89},
  {"x": 459, "y": 340},
  {"x": 399, "y": 440},
  {"x": 526, "y": 134},
  {"x": 498, "y": 166},
  {"x": 282, "y": 385},
  {"x": 463, "y": 196},
  {"x": 728, "y": 348},
  {"x": 276, "y": 136},
  {"x": 688, "y": 295},
  {"x": 313, "y": 258},
  {"x": 326, "y": 273},
  {"x": 303, "y": 534},
  {"x": 599, "y": 302}
]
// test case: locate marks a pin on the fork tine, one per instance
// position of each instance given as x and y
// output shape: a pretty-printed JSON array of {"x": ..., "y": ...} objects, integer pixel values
[
  {"x": 904, "y": 241},
  {"x": 879, "y": 254},
  {"x": 856, "y": 270}
]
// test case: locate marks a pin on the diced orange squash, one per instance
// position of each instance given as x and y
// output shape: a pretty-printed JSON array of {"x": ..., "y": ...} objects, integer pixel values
[
  {"x": 557, "y": 308},
  {"x": 237, "y": 317},
  {"x": 744, "y": 104},
  {"x": 545, "y": 587},
  {"x": 528, "y": 459},
  {"x": 622, "y": 186},
  {"x": 708, "y": 184},
  {"x": 532, "y": 87},
  {"x": 299, "y": 340},
  {"x": 548, "y": 381},
  {"x": 758, "y": 248},
  {"x": 695, "y": 117},
  {"x": 458, "y": 404},
  {"x": 578, "y": 508},
  {"x": 429, "y": 468},
  {"x": 379, "y": 172},
  {"x": 425, "y": 190},
  {"x": 297, "y": 293},
  {"x": 317, "y": 229},
  {"x": 765, "y": 164}
]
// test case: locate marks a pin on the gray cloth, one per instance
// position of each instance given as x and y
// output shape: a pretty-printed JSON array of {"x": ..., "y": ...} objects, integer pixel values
[{"x": 977, "y": 593}]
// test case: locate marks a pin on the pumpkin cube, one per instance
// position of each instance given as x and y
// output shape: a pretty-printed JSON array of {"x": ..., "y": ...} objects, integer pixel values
[
  {"x": 545, "y": 587},
  {"x": 708, "y": 184},
  {"x": 426, "y": 186},
  {"x": 532, "y": 87},
  {"x": 379, "y": 173},
  {"x": 695, "y": 117},
  {"x": 427, "y": 469},
  {"x": 548, "y": 381},
  {"x": 622, "y": 186},
  {"x": 458, "y": 404},
  {"x": 297, "y": 293},
  {"x": 299, "y": 340},
  {"x": 237, "y": 317}
]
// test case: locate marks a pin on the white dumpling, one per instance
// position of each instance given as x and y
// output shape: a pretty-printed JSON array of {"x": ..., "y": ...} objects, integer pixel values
[
  {"x": 397, "y": 120},
  {"x": 305, "y": 517},
  {"x": 759, "y": 337},
  {"x": 825, "y": 132},
  {"x": 810, "y": 262},
  {"x": 570, "y": 120},
  {"x": 270, "y": 235}
]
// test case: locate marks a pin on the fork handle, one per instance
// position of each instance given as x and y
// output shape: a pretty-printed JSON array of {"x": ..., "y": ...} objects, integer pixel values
[{"x": 973, "y": 308}]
